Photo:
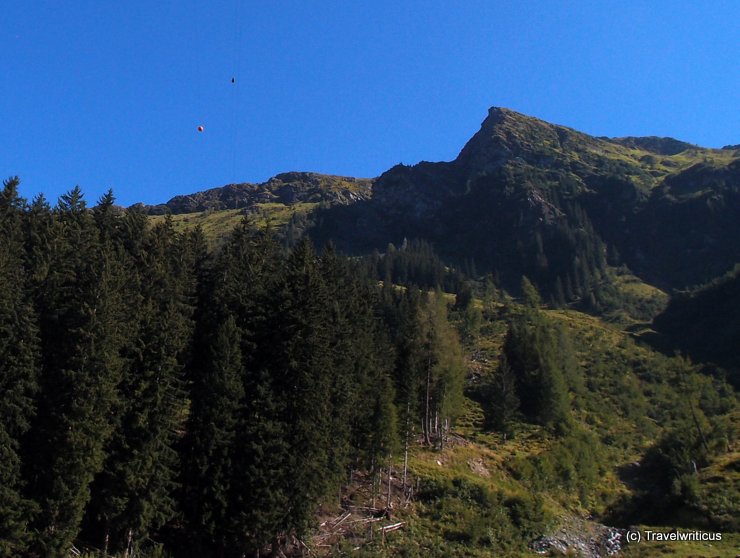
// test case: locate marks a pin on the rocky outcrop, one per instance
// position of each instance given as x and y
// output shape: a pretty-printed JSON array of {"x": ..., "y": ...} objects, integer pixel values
[
  {"x": 287, "y": 188},
  {"x": 582, "y": 538}
]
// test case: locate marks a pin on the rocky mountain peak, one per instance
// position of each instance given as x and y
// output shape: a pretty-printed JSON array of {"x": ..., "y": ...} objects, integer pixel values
[{"x": 506, "y": 134}]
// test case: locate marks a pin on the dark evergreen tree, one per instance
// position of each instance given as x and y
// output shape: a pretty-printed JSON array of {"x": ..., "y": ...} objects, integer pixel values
[
  {"x": 532, "y": 350},
  {"x": 300, "y": 360},
  {"x": 80, "y": 310},
  {"x": 409, "y": 371},
  {"x": 134, "y": 494},
  {"x": 40, "y": 235},
  {"x": 18, "y": 372},
  {"x": 502, "y": 401},
  {"x": 249, "y": 496},
  {"x": 106, "y": 216},
  {"x": 212, "y": 429},
  {"x": 363, "y": 429}
]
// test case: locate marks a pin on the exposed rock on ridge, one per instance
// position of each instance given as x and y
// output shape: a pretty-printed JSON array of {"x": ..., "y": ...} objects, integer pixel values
[{"x": 287, "y": 188}]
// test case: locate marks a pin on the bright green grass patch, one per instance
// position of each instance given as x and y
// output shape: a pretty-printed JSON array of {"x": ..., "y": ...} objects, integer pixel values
[
  {"x": 215, "y": 224},
  {"x": 278, "y": 214},
  {"x": 634, "y": 286},
  {"x": 467, "y": 504},
  {"x": 218, "y": 224}
]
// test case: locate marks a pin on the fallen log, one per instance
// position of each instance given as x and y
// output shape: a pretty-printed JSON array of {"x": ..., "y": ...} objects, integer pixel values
[
  {"x": 341, "y": 520},
  {"x": 389, "y": 528}
]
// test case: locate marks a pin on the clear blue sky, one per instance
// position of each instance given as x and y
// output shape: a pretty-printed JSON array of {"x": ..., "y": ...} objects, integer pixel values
[{"x": 110, "y": 94}]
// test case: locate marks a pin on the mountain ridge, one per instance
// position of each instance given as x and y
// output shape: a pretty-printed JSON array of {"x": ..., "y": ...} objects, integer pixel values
[
  {"x": 527, "y": 197},
  {"x": 506, "y": 127},
  {"x": 288, "y": 188}
]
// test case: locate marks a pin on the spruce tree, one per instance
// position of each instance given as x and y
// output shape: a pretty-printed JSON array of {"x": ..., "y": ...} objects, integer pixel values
[
  {"x": 209, "y": 464},
  {"x": 134, "y": 494},
  {"x": 106, "y": 217},
  {"x": 301, "y": 362},
  {"x": 18, "y": 372},
  {"x": 40, "y": 237},
  {"x": 535, "y": 355},
  {"x": 363, "y": 428},
  {"x": 349, "y": 363},
  {"x": 503, "y": 401},
  {"x": 251, "y": 496},
  {"x": 409, "y": 368},
  {"x": 80, "y": 310}
]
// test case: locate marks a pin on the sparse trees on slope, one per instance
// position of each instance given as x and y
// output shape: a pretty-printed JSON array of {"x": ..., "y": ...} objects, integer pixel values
[
  {"x": 445, "y": 371},
  {"x": 429, "y": 365}
]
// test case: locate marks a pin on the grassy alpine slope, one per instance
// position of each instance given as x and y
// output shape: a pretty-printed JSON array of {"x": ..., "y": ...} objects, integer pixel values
[{"x": 485, "y": 492}]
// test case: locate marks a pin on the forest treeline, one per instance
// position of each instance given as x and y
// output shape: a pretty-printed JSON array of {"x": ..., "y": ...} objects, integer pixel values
[{"x": 155, "y": 395}]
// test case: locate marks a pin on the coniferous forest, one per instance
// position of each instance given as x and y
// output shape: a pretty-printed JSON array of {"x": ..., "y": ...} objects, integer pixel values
[{"x": 157, "y": 396}]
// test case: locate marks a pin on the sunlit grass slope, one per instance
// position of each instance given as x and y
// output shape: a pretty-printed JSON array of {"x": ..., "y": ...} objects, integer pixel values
[{"x": 217, "y": 225}]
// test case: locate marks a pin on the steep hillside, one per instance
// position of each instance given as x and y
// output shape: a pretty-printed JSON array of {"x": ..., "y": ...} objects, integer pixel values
[
  {"x": 524, "y": 491},
  {"x": 266, "y": 399},
  {"x": 687, "y": 233}
]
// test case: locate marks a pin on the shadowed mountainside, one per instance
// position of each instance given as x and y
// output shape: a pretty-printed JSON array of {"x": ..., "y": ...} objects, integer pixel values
[{"x": 525, "y": 197}]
